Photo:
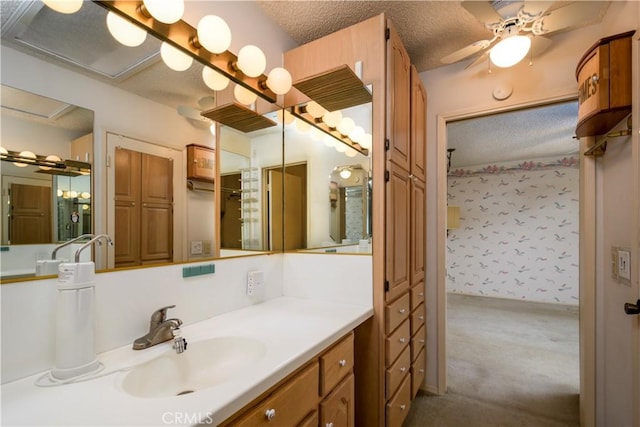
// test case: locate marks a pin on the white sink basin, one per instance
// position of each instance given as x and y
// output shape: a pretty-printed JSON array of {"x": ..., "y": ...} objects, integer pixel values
[{"x": 204, "y": 364}]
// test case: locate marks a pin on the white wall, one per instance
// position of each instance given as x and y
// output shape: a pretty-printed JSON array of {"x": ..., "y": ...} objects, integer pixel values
[{"x": 456, "y": 92}]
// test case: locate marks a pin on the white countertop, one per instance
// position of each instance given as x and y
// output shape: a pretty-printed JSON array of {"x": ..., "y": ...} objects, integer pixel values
[{"x": 294, "y": 330}]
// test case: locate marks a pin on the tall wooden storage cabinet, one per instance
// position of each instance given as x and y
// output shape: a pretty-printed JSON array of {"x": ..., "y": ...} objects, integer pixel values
[{"x": 390, "y": 354}]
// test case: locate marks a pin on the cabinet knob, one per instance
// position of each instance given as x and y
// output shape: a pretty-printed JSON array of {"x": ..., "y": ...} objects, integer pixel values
[
  {"x": 421, "y": 341},
  {"x": 342, "y": 363},
  {"x": 403, "y": 406},
  {"x": 403, "y": 369},
  {"x": 421, "y": 371},
  {"x": 270, "y": 414},
  {"x": 402, "y": 311},
  {"x": 328, "y": 425},
  {"x": 421, "y": 294},
  {"x": 421, "y": 317},
  {"x": 402, "y": 340}
]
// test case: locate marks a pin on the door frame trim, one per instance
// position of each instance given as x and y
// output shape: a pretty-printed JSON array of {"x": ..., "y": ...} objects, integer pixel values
[{"x": 587, "y": 265}]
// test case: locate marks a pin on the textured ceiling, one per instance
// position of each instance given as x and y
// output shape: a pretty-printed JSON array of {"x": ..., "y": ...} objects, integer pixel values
[
  {"x": 545, "y": 131},
  {"x": 430, "y": 30}
]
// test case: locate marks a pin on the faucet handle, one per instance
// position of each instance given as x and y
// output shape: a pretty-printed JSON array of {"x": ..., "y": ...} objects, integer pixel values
[{"x": 159, "y": 316}]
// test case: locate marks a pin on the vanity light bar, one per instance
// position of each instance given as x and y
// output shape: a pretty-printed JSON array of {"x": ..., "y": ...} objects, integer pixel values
[
  {"x": 182, "y": 35},
  {"x": 301, "y": 113},
  {"x": 15, "y": 157}
]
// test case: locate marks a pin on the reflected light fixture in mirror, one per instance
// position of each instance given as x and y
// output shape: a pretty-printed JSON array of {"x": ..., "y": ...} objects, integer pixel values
[
  {"x": 64, "y": 6},
  {"x": 124, "y": 31},
  {"x": 175, "y": 58}
]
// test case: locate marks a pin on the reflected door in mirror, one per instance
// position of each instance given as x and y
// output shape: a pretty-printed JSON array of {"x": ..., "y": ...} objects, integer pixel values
[
  {"x": 30, "y": 218},
  {"x": 143, "y": 208}
]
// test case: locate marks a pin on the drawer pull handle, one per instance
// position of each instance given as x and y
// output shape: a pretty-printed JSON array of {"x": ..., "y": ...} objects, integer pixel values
[
  {"x": 402, "y": 407},
  {"x": 403, "y": 369},
  {"x": 342, "y": 363},
  {"x": 402, "y": 340},
  {"x": 270, "y": 414},
  {"x": 402, "y": 311}
]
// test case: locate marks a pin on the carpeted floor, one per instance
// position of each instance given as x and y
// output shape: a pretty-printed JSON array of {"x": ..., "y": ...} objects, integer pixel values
[{"x": 510, "y": 363}]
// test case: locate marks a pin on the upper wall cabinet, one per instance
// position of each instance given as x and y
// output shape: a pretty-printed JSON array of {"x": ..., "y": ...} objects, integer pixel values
[{"x": 604, "y": 85}]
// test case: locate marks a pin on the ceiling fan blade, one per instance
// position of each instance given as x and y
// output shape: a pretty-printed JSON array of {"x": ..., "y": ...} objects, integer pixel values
[
  {"x": 539, "y": 44},
  {"x": 478, "y": 60},
  {"x": 483, "y": 11},
  {"x": 466, "y": 51},
  {"x": 207, "y": 102},
  {"x": 578, "y": 13},
  {"x": 533, "y": 9}
]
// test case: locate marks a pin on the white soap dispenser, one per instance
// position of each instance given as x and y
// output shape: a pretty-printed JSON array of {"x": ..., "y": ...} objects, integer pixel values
[{"x": 75, "y": 343}]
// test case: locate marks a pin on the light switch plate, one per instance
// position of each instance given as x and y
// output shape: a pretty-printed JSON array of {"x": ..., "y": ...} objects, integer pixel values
[
  {"x": 624, "y": 264},
  {"x": 196, "y": 247},
  {"x": 255, "y": 283}
]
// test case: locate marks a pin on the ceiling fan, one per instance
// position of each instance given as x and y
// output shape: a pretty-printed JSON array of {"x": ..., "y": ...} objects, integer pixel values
[
  {"x": 193, "y": 114},
  {"x": 520, "y": 26}
]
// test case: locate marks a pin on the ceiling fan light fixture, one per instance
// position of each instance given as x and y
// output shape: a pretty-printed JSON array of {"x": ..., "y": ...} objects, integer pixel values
[{"x": 510, "y": 50}]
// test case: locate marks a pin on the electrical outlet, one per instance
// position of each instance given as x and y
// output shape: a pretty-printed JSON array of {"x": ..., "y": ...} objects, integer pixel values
[
  {"x": 255, "y": 283},
  {"x": 196, "y": 247},
  {"x": 624, "y": 264}
]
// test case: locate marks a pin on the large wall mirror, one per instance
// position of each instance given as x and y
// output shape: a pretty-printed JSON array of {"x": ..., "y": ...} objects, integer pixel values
[{"x": 47, "y": 152}]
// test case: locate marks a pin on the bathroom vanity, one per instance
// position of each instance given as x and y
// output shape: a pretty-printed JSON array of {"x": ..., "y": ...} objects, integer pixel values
[{"x": 307, "y": 350}]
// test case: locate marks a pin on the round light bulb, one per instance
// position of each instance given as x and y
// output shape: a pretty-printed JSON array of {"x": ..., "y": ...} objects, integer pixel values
[
  {"x": 174, "y": 58},
  {"x": 346, "y": 125},
  {"x": 85, "y": 195},
  {"x": 251, "y": 60},
  {"x": 244, "y": 96},
  {"x": 212, "y": 129},
  {"x": 350, "y": 152},
  {"x": 85, "y": 207},
  {"x": 279, "y": 81},
  {"x": 285, "y": 117},
  {"x": 27, "y": 156},
  {"x": 302, "y": 126},
  {"x": 64, "y": 6},
  {"x": 213, "y": 79},
  {"x": 214, "y": 34},
  {"x": 167, "y": 11},
  {"x": 3, "y": 151},
  {"x": 357, "y": 134},
  {"x": 509, "y": 51},
  {"x": 332, "y": 118},
  {"x": 367, "y": 141},
  {"x": 345, "y": 173},
  {"x": 340, "y": 147},
  {"x": 73, "y": 194},
  {"x": 59, "y": 193},
  {"x": 124, "y": 31},
  {"x": 50, "y": 158},
  {"x": 315, "y": 110}
]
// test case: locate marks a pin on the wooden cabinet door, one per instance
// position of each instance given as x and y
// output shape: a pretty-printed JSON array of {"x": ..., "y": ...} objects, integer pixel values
[
  {"x": 127, "y": 206},
  {"x": 418, "y": 231},
  {"x": 418, "y": 127},
  {"x": 156, "y": 213},
  {"x": 398, "y": 195},
  {"x": 337, "y": 409},
  {"x": 398, "y": 100}
]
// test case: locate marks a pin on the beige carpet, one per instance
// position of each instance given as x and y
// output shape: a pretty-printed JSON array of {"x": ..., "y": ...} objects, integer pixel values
[{"x": 510, "y": 363}]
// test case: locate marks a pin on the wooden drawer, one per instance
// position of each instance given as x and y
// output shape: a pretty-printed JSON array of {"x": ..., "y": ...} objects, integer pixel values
[
  {"x": 397, "y": 341},
  {"x": 312, "y": 420},
  {"x": 417, "y": 295},
  {"x": 398, "y": 406},
  {"x": 337, "y": 409},
  {"x": 417, "y": 343},
  {"x": 418, "y": 369},
  {"x": 289, "y": 404},
  {"x": 335, "y": 364},
  {"x": 396, "y": 312},
  {"x": 396, "y": 372},
  {"x": 417, "y": 319}
]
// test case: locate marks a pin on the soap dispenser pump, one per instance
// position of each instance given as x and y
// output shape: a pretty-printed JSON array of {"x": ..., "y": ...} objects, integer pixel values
[{"x": 75, "y": 342}]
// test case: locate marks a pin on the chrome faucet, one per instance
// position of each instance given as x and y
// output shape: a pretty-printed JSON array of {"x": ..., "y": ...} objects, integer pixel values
[
  {"x": 68, "y": 242},
  {"x": 92, "y": 241},
  {"x": 162, "y": 329}
]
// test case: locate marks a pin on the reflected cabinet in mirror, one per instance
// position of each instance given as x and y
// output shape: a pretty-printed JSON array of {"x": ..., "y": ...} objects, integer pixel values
[{"x": 46, "y": 153}]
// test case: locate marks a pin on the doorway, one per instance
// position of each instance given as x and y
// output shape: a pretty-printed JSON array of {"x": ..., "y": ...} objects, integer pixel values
[{"x": 494, "y": 251}]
